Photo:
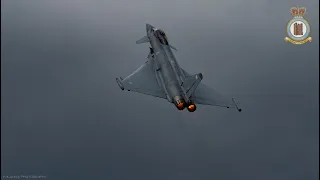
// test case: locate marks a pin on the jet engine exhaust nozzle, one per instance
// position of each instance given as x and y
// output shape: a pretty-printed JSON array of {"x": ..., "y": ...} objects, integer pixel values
[
  {"x": 192, "y": 107},
  {"x": 180, "y": 103},
  {"x": 180, "y": 106}
]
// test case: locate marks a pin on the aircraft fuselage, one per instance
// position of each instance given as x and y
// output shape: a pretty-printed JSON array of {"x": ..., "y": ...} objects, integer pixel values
[{"x": 168, "y": 72}]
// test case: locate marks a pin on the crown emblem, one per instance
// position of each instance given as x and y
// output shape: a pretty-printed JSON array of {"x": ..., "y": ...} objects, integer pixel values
[
  {"x": 298, "y": 11},
  {"x": 298, "y": 28}
]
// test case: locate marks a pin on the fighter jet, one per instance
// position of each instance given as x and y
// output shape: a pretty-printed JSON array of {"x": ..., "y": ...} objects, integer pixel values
[{"x": 161, "y": 76}]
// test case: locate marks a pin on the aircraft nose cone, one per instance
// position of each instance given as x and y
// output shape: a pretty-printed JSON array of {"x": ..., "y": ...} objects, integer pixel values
[{"x": 148, "y": 27}]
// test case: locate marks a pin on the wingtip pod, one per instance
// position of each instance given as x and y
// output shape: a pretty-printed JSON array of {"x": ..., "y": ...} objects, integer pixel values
[
  {"x": 201, "y": 76},
  {"x": 120, "y": 83},
  {"x": 236, "y": 105}
]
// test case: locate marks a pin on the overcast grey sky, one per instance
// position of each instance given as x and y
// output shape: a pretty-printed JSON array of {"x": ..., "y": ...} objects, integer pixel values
[{"x": 63, "y": 115}]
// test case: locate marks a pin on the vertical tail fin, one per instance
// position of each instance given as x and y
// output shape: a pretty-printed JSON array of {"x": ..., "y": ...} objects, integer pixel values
[{"x": 191, "y": 83}]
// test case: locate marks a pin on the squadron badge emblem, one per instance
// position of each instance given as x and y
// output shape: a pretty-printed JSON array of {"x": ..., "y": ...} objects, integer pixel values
[{"x": 298, "y": 28}]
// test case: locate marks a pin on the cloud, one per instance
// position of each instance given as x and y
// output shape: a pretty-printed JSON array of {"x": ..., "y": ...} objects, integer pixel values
[{"x": 63, "y": 115}]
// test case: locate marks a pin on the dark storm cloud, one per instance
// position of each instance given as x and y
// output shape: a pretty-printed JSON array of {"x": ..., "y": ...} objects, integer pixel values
[{"x": 64, "y": 116}]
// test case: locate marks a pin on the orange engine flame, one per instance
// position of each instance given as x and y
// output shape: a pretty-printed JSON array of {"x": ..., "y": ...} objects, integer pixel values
[
  {"x": 180, "y": 106},
  {"x": 192, "y": 107}
]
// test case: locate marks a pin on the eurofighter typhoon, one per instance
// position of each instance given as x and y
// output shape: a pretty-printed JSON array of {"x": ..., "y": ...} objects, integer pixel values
[{"x": 161, "y": 76}]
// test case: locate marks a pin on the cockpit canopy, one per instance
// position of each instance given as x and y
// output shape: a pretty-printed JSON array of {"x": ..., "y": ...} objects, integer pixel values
[{"x": 161, "y": 36}]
